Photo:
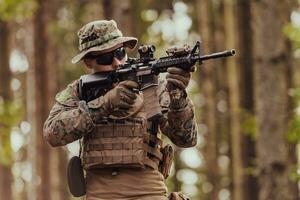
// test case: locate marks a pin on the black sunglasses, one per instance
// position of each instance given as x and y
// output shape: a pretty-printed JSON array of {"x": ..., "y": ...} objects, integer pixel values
[{"x": 107, "y": 58}]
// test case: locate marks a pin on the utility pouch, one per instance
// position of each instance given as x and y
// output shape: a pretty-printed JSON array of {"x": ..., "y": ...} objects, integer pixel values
[
  {"x": 166, "y": 163},
  {"x": 178, "y": 196},
  {"x": 76, "y": 181}
]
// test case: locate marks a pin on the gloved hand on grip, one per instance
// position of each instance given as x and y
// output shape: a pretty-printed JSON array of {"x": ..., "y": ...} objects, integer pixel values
[
  {"x": 178, "y": 77},
  {"x": 118, "y": 100},
  {"x": 120, "y": 97}
]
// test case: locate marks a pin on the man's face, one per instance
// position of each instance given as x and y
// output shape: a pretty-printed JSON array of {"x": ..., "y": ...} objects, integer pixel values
[{"x": 106, "y": 60}]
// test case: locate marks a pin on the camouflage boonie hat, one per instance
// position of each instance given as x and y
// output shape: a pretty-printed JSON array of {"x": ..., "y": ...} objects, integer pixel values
[{"x": 101, "y": 35}]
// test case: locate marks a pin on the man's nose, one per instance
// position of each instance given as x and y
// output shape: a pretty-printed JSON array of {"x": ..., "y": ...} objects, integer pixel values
[{"x": 116, "y": 63}]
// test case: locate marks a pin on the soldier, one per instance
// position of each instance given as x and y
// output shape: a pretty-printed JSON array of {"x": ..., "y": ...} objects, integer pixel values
[{"x": 123, "y": 154}]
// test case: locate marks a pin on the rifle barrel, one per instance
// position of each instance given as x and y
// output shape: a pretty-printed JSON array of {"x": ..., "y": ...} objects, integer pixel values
[{"x": 218, "y": 55}]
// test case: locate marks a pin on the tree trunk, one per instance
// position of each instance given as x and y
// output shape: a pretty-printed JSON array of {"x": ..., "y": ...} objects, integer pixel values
[
  {"x": 58, "y": 156},
  {"x": 59, "y": 190},
  {"x": 5, "y": 72},
  {"x": 234, "y": 98},
  {"x": 245, "y": 61},
  {"x": 272, "y": 62},
  {"x": 39, "y": 104},
  {"x": 207, "y": 84},
  {"x": 139, "y": 26},
  {"x": 5, "y": 94},
  {"x": 122, "y": 15}
]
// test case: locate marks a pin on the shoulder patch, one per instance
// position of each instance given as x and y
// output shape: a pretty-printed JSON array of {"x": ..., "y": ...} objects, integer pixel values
[
  {"x": 69, "y": 95},
  {"x": 64, "y": 95}
]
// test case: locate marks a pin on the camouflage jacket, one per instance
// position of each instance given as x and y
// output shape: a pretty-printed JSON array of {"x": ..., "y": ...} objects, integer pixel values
[{"x": 70, "y": 119}]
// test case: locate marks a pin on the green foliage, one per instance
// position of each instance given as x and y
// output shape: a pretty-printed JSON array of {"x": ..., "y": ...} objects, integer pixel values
[
  {"x": 11, "y": 114},
  {"x": 253, "y": 171},
  {"x": 292, "y": 31},
  {"x": 17, "y": 9},
  {"x": 295, "y": 93},
  {"x": 294, "y": 174},
  {"x": 248, "y": 124},
  {"x": 293, "y": 134}
]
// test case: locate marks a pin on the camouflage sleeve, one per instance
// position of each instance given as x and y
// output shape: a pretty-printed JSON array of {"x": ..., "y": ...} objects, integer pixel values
[
  {"x": 178, "y": 121},
  {"x": 69, "y": 118}
]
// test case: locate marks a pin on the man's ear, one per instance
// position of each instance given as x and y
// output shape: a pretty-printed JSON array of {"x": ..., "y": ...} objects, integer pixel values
[{"x": 88, "y": 63}]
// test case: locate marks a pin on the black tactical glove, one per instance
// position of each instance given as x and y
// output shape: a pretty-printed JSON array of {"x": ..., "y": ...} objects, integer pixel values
[{"x": 116, "y": 101}]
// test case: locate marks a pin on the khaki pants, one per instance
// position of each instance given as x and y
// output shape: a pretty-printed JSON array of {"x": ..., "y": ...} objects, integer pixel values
[
  {"x": 125, "y": 184},
  {"x": 137, "y": 198}
]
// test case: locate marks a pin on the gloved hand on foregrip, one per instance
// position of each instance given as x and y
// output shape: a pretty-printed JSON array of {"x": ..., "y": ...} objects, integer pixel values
[
  {"x": 178, "y": 77},
  {"x": 118, "y": 100},
  {"x": 177, "y": 81}
]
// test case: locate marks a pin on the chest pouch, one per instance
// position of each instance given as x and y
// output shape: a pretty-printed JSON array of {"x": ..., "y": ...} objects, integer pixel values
[{"x": 121, "y": 143}]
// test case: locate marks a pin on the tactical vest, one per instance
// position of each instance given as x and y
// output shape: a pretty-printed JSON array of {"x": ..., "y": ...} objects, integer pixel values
[{"x": 130, "y": 142}]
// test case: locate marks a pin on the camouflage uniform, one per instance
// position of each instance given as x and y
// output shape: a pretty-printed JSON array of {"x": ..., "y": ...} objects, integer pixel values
[{"x": 71, "y": 119}]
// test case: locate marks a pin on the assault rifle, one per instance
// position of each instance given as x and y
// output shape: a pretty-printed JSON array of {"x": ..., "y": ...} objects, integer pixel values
[{"x": 144, "y": 69}]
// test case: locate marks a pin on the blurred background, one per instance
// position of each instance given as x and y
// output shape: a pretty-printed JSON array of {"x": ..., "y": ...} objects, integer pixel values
[{"x": 247, "y": 106}]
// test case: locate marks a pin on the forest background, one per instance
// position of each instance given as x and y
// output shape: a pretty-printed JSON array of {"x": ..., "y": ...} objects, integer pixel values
[{"x": 247, "y": 106}]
